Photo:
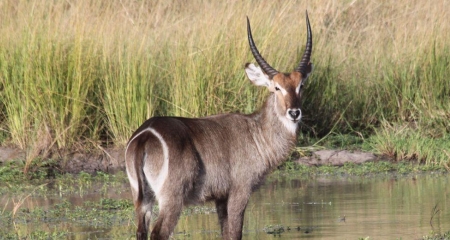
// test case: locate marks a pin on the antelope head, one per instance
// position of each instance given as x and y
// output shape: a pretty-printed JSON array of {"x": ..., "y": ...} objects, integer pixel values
[{"x": 286, "y": 86}]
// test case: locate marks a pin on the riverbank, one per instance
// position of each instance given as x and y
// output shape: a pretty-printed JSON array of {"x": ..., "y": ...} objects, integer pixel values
[{"x": 111, "y": 160}]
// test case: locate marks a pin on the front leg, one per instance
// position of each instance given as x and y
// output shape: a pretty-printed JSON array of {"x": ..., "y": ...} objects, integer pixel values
[
  {"x": 222, "y": 213},
  {"x": 236, "y": 208}
]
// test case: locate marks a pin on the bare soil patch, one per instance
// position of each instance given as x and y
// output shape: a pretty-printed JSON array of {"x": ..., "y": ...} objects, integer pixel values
[
  {"x": 108, "y": 160},
  {"x": 336, "y": 157},
  {"x": 111, "y": 160}
]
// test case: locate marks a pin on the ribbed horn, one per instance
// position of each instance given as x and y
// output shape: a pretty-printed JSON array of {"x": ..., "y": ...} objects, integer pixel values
[
  {"x": 304, "y": 66},
  {"x": 262, "y": 63}
]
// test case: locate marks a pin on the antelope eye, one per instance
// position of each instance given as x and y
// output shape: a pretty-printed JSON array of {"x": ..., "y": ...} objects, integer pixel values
[{"x": 277, "y": 88}]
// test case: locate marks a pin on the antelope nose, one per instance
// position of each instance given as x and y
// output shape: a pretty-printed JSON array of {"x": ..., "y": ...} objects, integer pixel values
[{"x": 294, "y": 113}]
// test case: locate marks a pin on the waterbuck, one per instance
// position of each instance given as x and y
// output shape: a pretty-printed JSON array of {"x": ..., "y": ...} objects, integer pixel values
[{"x": 178, "y": 161}]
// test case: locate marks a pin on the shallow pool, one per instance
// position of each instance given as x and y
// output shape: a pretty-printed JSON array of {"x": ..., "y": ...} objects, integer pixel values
[{"x": 379, "y": 207}]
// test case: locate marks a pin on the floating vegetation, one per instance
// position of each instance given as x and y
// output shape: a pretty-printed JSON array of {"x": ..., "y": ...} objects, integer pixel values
[{"x": 275, "y": 230}]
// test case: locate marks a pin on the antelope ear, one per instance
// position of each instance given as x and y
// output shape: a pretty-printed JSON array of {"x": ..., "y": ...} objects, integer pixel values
[{"x": 256, "y": 75}]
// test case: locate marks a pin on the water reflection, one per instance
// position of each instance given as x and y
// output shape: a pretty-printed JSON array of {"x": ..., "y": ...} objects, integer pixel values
[
  {"x": 378, "y": 207},
  {"x": 387, "y": 207}
]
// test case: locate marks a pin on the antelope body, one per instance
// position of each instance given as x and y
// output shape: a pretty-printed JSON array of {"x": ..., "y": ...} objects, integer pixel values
[{"x": 179, "y": 161}]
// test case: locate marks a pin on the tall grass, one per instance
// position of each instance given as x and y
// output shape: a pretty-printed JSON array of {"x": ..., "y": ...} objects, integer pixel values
[
  {"x": 82, "y": 73},
  {"x": 403, "y": 142}
]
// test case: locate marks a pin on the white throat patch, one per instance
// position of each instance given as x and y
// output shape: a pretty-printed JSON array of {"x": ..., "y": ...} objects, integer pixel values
[{"x": 289, "y": 124}]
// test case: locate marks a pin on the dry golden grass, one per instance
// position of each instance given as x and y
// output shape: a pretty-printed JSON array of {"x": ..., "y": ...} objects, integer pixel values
[{"x": 90, "y": 71}]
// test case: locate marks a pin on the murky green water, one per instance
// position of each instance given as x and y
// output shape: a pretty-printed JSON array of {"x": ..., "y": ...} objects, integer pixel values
[{"x": 383, "y": 207}]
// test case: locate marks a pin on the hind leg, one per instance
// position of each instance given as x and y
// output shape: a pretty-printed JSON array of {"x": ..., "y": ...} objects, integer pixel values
[
  {"x": 143, "y": 207},
  {"x": 169, "y": 213},
  {"x": 143, "y": 199},
  {"x": 144, "y": 217}
]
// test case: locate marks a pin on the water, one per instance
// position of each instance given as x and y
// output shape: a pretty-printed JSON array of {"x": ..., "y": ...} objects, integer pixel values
[
  {"x": 377, "y": 207},
  {"x": 383, "y": 207}
]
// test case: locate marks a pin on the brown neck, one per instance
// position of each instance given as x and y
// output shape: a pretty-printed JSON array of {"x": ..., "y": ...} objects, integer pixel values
[{"x": 275, "y": 141}]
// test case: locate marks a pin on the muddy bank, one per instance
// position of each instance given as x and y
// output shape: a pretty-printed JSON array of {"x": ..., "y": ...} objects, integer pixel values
[
  {"x": 108, "y": 160},
  {"x": 336, "y": 157},
  {"x": 112, "y": 159}
]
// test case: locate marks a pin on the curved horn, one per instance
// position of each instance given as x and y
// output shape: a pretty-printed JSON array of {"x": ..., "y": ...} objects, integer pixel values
[
  {"x": 304, "y": 66},
  {"x": 262, "y": 63}
]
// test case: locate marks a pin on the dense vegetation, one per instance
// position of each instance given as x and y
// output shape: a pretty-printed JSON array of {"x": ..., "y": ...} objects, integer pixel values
[{"x": 85, "y": 74}]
